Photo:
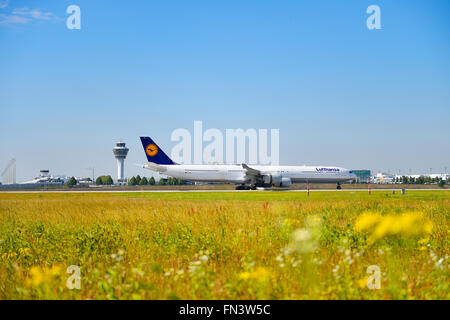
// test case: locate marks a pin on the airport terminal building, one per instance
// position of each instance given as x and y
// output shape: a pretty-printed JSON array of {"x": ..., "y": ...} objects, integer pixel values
[{"x": 362, "y": 175}]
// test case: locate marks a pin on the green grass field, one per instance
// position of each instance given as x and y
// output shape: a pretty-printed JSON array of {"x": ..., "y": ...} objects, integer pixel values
[{"x": 226, "y": 245}]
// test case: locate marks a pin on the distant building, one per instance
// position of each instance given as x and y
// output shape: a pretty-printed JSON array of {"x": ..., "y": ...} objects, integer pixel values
[
  {"x": 362, "y": 175},
  {"x": 414, "y": 177},
  {"x": 442, "y": 176},
  {"x": 382, "y": 178},
  {"x": 45, "y": 179},
  {"x": 386, "y": 178},
  {"x": 84, "y": 182}
]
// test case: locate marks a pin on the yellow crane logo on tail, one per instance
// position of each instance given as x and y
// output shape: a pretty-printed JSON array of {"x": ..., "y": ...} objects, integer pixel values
[{"x": 151, "y": 150}]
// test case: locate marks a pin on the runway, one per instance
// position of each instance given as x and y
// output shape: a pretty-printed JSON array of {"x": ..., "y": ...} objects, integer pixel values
[{"x": 187, "y": 191}]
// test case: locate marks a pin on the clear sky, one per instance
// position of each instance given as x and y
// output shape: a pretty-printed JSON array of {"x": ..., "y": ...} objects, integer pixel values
[{"x": 340, "y": 94}]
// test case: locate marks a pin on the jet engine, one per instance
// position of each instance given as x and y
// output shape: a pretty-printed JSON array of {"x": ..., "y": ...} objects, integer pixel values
[
  {"x": 269, "y": 180},
  {"x": 285, "y": 182}
]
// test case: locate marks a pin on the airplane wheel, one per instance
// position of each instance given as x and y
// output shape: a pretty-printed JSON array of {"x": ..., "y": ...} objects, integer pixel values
[
  {"x": 339, "y": 187},
  {"x": 253, "y": 188},
  {"x": 240, "y": 188}
]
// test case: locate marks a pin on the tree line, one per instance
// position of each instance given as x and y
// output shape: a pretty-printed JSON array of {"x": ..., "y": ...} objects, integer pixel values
[
  {"x": 104, "y": 180},
  {"x": 138, "y": 181},
  {"x": 420, "y": 180},
  {"x": 134, "y": 181}
]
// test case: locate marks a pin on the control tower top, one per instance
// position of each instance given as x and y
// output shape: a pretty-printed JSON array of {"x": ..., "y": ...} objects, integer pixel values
[{"x": 120, "y": 151}]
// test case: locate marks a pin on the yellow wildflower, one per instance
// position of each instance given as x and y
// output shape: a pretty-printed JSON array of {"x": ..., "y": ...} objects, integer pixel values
[
  {"x": 362, "y": 283},
  {"x": 37, "y": 276},
  {"x": 367, "y": 221},
  {"x": 43, "y": 275},
  {"x": 407, "y": 224},
  {"x": 423, "y": 241},
  {"x": 259, "y": 274}
]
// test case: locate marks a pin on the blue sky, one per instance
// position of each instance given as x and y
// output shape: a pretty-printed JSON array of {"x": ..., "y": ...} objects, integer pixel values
[{"x": 339, "y": 93}]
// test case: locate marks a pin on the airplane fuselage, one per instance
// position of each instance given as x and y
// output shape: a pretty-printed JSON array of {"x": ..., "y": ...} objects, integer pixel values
[{"x": 269, "y": 175}]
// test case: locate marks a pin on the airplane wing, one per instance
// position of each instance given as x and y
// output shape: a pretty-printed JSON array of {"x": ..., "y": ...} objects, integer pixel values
[{"x": 250, "y": 172}]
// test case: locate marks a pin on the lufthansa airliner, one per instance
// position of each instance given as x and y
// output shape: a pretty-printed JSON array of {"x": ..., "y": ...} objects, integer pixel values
[{"x": 244, "y": 176}]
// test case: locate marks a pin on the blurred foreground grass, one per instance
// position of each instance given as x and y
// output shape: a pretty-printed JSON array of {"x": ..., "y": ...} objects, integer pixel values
[{"x": 225, "y": 245}]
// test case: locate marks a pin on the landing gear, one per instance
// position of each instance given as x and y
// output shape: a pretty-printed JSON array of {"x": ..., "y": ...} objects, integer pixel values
[
  {"x": 338, "y": 186},
  {"x": 244, "y": 187}
]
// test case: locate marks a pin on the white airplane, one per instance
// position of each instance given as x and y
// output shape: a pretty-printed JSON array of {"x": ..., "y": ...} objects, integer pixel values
[{"x": 244, "y": 176}]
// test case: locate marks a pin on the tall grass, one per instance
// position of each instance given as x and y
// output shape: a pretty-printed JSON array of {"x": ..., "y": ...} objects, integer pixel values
[{"x": 261, "y": 245}]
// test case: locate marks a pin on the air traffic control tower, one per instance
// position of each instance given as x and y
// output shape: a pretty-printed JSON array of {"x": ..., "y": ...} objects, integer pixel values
[{"x": 120, "y": 152}]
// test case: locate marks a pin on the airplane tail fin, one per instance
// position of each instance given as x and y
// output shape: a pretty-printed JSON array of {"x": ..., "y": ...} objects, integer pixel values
[{"x": 154, "y": 153}]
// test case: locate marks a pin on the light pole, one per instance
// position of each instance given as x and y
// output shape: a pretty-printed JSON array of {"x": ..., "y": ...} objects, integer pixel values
[{"x": 93, "y": 176}]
